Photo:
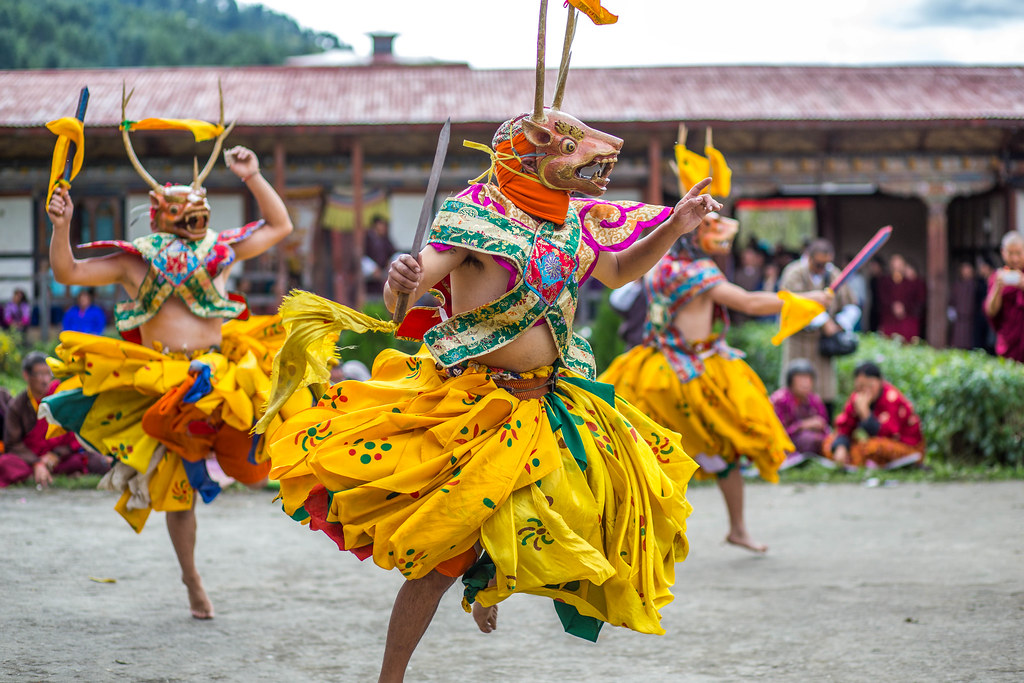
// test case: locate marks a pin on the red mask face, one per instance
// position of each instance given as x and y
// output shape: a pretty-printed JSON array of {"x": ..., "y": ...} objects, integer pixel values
[
  {"x": 716, "y": 233},
  {"x": 566, "y": 147},
  {"x": 180, "y": 210}
]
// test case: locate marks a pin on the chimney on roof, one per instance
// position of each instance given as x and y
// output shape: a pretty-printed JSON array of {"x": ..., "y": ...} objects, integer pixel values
[{"x": 383, "y": 48}]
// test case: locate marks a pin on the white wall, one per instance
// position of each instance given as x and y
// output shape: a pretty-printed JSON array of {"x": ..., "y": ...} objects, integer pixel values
[{"x": 16, "y": 228}]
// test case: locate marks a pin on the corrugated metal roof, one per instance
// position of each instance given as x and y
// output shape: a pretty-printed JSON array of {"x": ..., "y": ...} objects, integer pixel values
[{"x": 300, "y": 96}]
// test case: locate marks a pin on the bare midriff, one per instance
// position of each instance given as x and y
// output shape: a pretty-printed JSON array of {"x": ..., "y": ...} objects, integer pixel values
[
  {"x": 479, "y": 283},
  {"x": 174, "y": 327}
]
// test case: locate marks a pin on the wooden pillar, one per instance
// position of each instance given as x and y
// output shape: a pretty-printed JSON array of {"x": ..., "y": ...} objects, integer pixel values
[
  {"x": 280, "y": 182},
  {"x": 654, "y": 194},
  {"x": 937, "y": 270},
  {"x": 359, "y": 293}
]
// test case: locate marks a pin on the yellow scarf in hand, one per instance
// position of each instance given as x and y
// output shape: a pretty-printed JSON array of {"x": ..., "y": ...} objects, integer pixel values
[
  {"x": 68, "y": 130},
  {"x": 313, "y": 324}
]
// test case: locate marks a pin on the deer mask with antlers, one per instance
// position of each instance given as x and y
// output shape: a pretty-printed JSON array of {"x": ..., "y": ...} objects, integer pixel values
[{"x": 181, "y": 210}]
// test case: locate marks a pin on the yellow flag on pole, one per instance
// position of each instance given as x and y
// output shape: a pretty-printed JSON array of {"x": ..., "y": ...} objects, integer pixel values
[
  {"x": 721, "y": 174},
  {"x": 68, "y": 130},
  {"x": 202, "y": 130},
  {"x": 592, "y": 8},
  {"x": 693, "y": 168}
]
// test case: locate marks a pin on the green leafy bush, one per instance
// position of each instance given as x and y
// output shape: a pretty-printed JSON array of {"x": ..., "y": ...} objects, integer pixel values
[
  {"x": 10, "y": 352},
  {"x": 971, "y": 404},
  {"x": 603, "y": 334},
  {"x": 365, "y": 347}
]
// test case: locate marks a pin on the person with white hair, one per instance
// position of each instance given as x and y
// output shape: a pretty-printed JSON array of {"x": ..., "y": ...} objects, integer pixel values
[{"x": 1004, "y": 304}]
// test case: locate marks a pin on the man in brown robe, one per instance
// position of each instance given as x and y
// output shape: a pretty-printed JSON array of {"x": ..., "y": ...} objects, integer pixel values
[{"x": 815, "y": 271}]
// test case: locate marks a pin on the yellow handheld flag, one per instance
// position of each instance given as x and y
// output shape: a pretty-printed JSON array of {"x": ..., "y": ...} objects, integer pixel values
[
  {"x": 592, "y": 8},
  {"x": 68, "y": 130},
  {"x": 797, "y": 312}
]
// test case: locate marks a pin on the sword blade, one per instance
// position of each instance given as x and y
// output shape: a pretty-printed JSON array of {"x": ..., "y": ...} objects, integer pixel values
[{"x": 427, "y": 210}]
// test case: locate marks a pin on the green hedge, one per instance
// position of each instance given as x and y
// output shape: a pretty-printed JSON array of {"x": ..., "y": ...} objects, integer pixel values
[
  {"x": 971, "y": 404},
  {"x": 365, "y": 347}
]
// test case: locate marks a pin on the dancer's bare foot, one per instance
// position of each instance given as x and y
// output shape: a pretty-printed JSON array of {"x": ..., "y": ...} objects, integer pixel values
[
  {"x": 486, "y": 617},
  {"x": 743, "y": 540},
  {"x": 198, "y": 602}
]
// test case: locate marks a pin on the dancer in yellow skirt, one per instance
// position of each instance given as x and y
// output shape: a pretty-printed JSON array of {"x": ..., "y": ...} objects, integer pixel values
[
  {"x": 687, "y": 378},
  {"x": 492, "y": 454},
  {"x": 188, "y": 387}
]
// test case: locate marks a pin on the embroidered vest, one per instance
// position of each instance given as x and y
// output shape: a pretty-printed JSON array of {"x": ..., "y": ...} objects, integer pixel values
[
  {"x": 547, "y": 259},
  {"x": 185, "y": 268},
  {"x": 670, "y": 286}
]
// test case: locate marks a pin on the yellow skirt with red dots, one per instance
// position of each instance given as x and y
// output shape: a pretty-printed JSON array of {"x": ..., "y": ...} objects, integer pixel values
[
  {"x": 576, "y": 495},
  {"x": 721, "y": 415},
  {"x": 162, "y": 416}
]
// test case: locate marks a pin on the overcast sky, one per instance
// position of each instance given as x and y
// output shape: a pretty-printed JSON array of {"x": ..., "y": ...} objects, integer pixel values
[{"x": 500, "y": 33}]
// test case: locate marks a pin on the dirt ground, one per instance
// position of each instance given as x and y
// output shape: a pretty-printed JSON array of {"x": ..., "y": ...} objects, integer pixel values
[{"x": 913, "y": 582}]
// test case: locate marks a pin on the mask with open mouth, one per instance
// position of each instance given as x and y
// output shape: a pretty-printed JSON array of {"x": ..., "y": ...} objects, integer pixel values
[
  {"x": 181, "y": 210},
  {"x": 716, "y": 233}
]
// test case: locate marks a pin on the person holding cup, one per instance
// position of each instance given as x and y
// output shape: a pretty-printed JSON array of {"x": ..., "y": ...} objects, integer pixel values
[{"x": 1004, "y": 304}]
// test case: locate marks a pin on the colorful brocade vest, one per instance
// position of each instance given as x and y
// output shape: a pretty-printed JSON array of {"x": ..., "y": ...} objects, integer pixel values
[
  {"x": 550, "y": 262},
  {"x": 185, "y": 268},
  {"x": 670, "y": 286}
]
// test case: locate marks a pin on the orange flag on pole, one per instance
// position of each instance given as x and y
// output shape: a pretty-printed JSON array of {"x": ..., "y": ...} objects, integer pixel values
[{"x": 592, "y": 8}]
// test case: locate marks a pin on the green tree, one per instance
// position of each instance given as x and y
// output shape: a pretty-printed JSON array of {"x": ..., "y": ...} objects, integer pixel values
[{"x": 111, "y": 33}]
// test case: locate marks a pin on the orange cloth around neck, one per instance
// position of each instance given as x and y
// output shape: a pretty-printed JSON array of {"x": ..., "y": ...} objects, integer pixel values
[{"x": 530, "y": 196}]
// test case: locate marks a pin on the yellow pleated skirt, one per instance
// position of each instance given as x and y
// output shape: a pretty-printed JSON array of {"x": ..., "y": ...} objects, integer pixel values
[
  {"x": 721, "y": 415},
  {"x": 126, "y": 400},
  {"x": 576, "y": 496}
]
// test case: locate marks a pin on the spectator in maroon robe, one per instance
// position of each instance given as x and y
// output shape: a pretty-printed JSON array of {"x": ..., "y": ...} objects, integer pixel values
[
  {"x": 963, "y": 307},
  {"x": 901, "y": 301},
  {"x": 800, "y": 410},
  {"x": 1004, "y": 304},
  {"x": 29, "y": 453}
]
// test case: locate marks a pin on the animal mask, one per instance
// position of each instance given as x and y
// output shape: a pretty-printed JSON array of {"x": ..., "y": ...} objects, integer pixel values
[{"x": 716, "y": 233}]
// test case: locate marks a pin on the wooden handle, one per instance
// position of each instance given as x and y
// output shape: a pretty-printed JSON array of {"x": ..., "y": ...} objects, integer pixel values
[{"x": 401, "y": 307}]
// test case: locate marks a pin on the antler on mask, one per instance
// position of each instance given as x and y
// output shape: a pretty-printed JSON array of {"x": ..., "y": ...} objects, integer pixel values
[
  {"x": 217, "y": 144},
  {"x": 538, "y": 97},
  {"x": 563, "y": 68},
  {"x": 153, "y": 184}
]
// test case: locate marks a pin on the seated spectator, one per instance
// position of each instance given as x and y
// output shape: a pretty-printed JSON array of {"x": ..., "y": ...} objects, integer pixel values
[
  {"x": 28, "y": 453},
  {"x": 85, "y": 316},
  {"x": 800, "y": 410},
  {"x": 878, "y": 428},
  {"x": 18, "y": 311}
]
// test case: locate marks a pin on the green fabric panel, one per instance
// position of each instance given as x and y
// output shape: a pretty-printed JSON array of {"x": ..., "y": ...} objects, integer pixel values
[
  {"x": 299, "y": 515},
  {"x": 70, "y": 408},
  {"x": 605, "y": 392},
  {"x": 477, "y": 577},
  {"x": 575, "y": 624},
  {"x": 561, "y": 419}
]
